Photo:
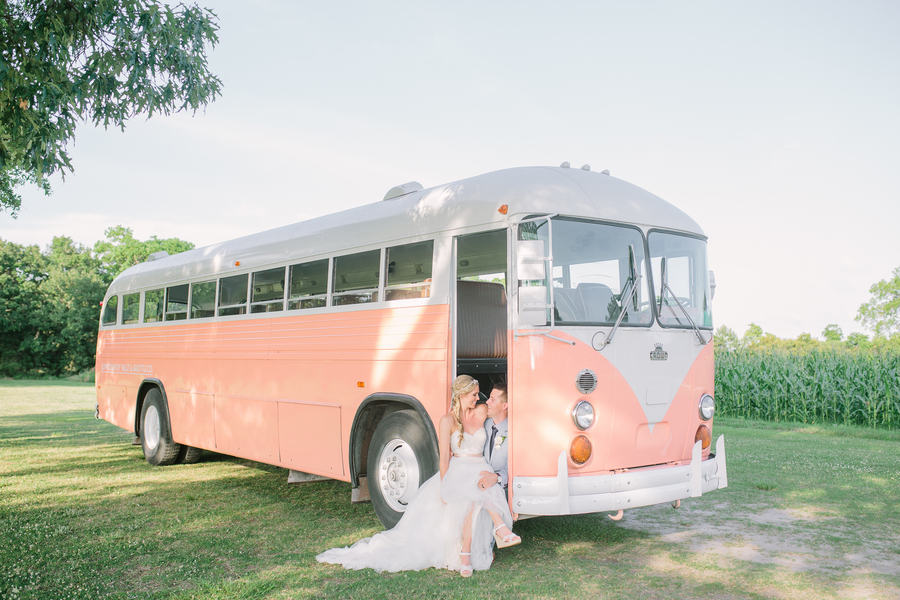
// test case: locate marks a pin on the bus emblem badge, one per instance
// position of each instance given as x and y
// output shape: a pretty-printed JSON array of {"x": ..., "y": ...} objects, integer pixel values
[{"x": 658, "y": 353}]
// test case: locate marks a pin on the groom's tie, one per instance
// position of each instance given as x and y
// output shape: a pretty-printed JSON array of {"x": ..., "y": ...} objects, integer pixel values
[{"x": 493, "y": 437}]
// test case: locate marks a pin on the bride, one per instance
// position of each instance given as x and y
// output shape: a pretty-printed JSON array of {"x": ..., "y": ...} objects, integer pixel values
[{"x": 450, "y": 521}]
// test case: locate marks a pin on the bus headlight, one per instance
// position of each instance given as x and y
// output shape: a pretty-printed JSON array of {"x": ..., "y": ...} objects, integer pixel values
[
  {"x": 707, "y": 407},
  {"x": 580, "y": 450},
  {"x": 583, "y": 415}
]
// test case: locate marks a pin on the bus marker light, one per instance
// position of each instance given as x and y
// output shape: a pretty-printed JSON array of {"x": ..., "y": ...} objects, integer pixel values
[
  {"x": 503, "y": 209},
  {"x": 580, "y": 451},
  {"x": 360, "y": 384},
  {"x": 703, "y": 435}
]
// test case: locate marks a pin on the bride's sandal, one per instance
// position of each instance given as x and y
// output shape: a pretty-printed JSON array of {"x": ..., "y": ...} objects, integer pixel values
[
  {"x": 507, "y": 540},
  {"x": 466, "y": 570}
]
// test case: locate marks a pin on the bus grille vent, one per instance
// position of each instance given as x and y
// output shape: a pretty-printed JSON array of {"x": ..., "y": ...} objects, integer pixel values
[{"x": 586, "y": 382}]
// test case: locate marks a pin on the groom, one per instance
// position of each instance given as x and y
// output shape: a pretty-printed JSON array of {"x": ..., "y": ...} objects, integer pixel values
[{"x": 496, "y": 450}]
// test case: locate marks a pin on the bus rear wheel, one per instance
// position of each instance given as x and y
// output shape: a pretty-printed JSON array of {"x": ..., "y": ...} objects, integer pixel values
[
  {"x": 188, "y": 455},
  {"x": 400, "y": 460},
  {"x": 156, "y": 435}
]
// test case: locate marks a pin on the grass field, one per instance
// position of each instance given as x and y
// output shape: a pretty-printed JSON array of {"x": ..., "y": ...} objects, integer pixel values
[{"x": 810, "y": 512}]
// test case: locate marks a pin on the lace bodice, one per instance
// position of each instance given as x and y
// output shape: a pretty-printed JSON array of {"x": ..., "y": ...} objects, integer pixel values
[{"x": 473, "y": 443}]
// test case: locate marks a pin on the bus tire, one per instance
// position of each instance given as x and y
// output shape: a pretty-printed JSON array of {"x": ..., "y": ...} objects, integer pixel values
[
  {"x": 188, "y": 455},
  {"x": 400, "y": 459},
  {"x": 156, "y": 435}
]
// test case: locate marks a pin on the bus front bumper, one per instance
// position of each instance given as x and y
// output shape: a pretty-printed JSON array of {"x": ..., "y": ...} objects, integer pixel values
[{"x": 564, "y": 495}]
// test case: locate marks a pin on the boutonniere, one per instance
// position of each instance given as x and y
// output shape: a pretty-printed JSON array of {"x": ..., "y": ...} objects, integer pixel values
[{"x": 498, "y": 441}]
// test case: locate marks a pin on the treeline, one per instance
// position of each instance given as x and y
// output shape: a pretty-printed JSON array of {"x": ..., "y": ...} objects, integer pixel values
[
  {"x": 755, "y": 339},
  {"x": 50, "y": 300}
]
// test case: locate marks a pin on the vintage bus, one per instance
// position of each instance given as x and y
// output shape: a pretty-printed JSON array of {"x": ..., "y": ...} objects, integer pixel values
[{"x": 327, "y": 347}]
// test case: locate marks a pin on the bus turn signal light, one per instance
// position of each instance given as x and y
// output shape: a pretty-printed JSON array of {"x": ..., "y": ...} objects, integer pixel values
[
  {"x": 581, "y": 449},
  {"x": 503, "y": 209},
  {"x": 360, "y": 384},
  {"x": 703, "y": 435}
]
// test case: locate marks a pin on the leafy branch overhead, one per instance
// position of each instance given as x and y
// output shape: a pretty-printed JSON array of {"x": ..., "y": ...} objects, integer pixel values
[{"x": 103, "y": 61}]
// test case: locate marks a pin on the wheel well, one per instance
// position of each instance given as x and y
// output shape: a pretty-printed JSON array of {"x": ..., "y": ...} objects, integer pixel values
[
  {"x": 143, "y": 390},
  {"x": 369, "y": 414}
]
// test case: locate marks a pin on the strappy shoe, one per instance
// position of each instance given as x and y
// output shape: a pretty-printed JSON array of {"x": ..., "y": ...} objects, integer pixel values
[
  {"x": 507, "y": 540},
  {"x": 466, "y": 570}
]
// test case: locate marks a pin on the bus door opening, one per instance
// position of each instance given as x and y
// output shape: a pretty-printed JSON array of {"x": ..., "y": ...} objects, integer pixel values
[{"x": 481, "y": 307}]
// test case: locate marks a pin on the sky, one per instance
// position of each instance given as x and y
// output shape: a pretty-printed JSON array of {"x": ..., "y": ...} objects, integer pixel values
[{"x": 775, "y": 125}]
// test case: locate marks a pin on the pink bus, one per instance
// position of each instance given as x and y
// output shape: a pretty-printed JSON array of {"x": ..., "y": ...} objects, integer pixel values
[{"x": 327, "y": 347}]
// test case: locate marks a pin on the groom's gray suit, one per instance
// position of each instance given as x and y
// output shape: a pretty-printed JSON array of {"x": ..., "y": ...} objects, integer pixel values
[{"x": 498, "y": 456}]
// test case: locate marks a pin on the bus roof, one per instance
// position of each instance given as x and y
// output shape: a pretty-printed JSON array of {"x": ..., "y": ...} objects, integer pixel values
[{"x": 466, "y": 203}]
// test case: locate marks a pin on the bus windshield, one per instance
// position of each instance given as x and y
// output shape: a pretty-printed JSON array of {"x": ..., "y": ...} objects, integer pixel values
[
  {"x": 687, "y": 280},
  {"x": 596, "y": 267}
]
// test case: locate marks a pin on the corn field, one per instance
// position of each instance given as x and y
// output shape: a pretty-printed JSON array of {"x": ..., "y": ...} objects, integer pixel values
[{"x": 820, "y": 386}]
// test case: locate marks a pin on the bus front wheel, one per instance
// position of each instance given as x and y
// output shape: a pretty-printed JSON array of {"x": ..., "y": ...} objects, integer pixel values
[
  {"x": 400, "y": 460},
  {"x": 156, "y": 437}
]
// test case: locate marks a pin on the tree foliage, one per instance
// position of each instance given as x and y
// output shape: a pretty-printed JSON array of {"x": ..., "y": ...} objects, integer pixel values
[
  {"x": 104, "y": 61},
  {"x": 50, "y": 301},
  {"x": 833, "y": 333},
  {"x": 881, "y": 314},
  {"x": 120, "y": 250}
]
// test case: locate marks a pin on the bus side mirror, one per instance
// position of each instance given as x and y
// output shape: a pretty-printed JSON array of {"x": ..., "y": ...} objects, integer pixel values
[
  {"x": 712, "y": 285},
  {"x": 532, "y": 305},
  {"x": 530, "y": 260}
]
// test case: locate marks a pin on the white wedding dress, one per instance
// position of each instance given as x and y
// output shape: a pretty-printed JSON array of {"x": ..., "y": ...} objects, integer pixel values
[{"x": 430, "y": 532}]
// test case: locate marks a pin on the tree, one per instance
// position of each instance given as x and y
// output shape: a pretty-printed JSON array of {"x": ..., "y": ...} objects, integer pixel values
[
  {"x": 62, "y": 61},
  {"x": 120, "y": 250},
  {"x": 726, "y": 339},
  {"x": 752, "y": 336},
  {"x": 833, "y": 333},
  {"x": 858, "y": 340},
  {"x": 881, "y": 314},
  {"x": 22, "y": 271},
  {"x": 50, "y": 301}
]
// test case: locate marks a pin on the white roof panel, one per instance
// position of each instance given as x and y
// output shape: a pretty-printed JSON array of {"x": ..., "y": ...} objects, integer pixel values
[{"x": 466, "y": 203}]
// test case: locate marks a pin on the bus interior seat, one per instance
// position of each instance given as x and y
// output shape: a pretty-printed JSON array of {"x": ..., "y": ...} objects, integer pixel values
[
  {"x": 597, "y": 298},
  {"x": 569, "y": 305},
  {"x": 481, "y": 344}
]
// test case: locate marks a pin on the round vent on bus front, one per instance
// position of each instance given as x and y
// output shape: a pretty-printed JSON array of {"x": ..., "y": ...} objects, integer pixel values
[{"x": 586, "y": 382}]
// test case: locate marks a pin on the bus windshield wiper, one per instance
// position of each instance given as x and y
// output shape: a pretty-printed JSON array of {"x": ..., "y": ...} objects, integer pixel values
[
  {"x": 663, "y": 287},
  {"x": 631, "y": 293}
]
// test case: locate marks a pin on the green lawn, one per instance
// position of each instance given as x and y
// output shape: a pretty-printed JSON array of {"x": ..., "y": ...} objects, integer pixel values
[{"x": 810, "y": 512}]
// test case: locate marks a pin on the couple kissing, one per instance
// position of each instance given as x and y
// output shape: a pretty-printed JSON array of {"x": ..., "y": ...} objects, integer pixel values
[{"x": 459, "y": 514}]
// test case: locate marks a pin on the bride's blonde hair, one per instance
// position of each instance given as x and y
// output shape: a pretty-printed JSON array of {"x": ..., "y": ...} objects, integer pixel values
[{"x": 461, "y": 385}]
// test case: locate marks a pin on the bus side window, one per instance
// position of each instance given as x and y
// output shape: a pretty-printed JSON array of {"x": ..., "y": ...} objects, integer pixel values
[
  {"x": 268, "y": 291},
  {"x": 203, "y": 300},
  {"x": 153, "y": 306},
  {"x": 109, "y": 310},
  {"x": 356, "y": 278},
  {"x": 131, "y": 308},
  {"x": 233, "y": 295},
  {"x": 176, "y": 302},
  {"x": 309, "y": 285},
  {"x": 409, "y": 271}
]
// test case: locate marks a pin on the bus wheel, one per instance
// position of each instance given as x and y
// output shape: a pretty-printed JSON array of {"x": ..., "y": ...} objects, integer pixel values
[
  {"x": 156, "y": 438},
  {"x": 400, "y": 460},
  {"x": 188, "y": 455}
]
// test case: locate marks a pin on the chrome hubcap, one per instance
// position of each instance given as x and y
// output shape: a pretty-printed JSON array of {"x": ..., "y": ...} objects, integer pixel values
[
  {"x": 398, "y": 474},
  {"x": 151, "y": 428}
]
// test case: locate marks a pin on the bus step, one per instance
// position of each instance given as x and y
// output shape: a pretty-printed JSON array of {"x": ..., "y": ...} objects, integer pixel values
[{"x": 301, "y": 477}]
